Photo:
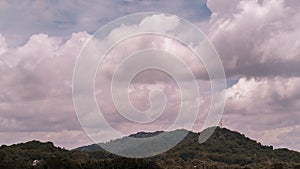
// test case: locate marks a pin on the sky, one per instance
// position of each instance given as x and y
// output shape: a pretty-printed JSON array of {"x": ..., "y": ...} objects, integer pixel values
[{"x": 257, "y": 41}]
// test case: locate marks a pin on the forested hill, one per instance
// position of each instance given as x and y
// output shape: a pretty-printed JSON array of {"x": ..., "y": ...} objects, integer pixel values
[{"x": 224, "y": 149}]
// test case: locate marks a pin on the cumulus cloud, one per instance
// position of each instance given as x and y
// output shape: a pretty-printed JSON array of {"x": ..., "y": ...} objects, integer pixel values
[
  {"x": 265, "y": 108},
  {"x": 36, "y": 91},
  {"x": 272, "y": 96},
  {"x": 28, "y": 67},
  {"x": 256, "y": 38},
  {"x": 3, "y": 45},
  {"x": 147, "y": 80},
  {"x": 62, "y": 18},
  {"x": 257, "y": 42},
  {"x": 36, "y": 87}
]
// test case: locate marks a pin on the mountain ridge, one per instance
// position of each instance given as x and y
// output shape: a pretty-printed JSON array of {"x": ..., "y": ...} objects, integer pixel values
[
  {"x": 224, "y": 146},
  {"x": 224, "y": 149},
  {"x": 144, "y": 134}
]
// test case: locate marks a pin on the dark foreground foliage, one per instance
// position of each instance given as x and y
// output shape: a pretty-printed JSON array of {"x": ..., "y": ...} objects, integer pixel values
[{"x": 224, "y": 150}]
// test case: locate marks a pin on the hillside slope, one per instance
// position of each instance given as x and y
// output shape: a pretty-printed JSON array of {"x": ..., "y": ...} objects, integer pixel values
[{"x": 224, "y": 149}]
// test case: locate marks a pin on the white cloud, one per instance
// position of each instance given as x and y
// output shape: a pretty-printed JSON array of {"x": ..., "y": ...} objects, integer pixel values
[
  {"x": 221, "y": 8},
  {"x": 257, "y": 40},
  {"x": 155, "y": 23},
  {"x": 35, "y": 88},
  {"x": 256, "y": 37},
  {"x": 3, "y": 45},
  {"x": 265, "y": 109},
  {"x": 62, "y": 18},
  {"x": 276, "y": 47},
  {"x": 265, "y": 95}
]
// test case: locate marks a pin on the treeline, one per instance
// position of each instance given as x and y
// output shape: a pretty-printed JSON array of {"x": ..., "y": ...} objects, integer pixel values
[{"x": 224, "y": 150}]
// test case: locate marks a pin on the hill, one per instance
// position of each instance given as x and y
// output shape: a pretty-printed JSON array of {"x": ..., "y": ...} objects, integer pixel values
[
  {"x": 38, "y": 155},
  {"x": 224, "y": 149}
]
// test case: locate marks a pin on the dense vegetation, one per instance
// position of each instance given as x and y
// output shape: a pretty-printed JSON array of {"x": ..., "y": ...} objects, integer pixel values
[{"x": 225, "y": 149}]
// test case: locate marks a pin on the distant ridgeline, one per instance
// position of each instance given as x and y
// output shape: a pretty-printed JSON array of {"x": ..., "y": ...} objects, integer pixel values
[{"x": 224, "y": 149}]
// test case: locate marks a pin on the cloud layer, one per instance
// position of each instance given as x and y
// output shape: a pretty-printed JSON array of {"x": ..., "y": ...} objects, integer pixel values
[
  {"x": 257, "y": 41},
  {"x": 62, "y": 18},
  {"x": 36, "y": 89}
]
